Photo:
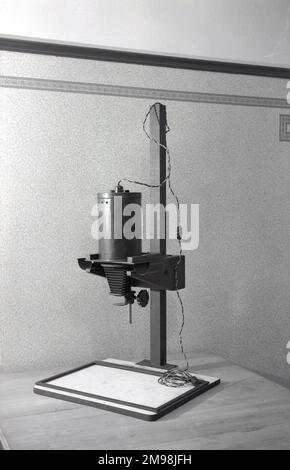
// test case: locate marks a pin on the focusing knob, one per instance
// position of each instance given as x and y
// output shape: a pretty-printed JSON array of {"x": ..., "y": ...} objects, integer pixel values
[{"x": 142, "y": 298}]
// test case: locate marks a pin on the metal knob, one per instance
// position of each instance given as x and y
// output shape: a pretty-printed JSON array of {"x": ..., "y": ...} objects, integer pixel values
[{"x": 142, "y": 298}]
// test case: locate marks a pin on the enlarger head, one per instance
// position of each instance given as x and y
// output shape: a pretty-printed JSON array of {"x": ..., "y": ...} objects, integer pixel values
[{"x": 121, "y": 224}]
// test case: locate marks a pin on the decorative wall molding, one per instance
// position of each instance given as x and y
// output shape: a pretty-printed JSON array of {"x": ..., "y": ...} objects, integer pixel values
[{"x": 26, "y": 83}]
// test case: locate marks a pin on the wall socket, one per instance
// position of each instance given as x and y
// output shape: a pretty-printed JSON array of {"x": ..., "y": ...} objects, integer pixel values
[{"x": 284, "y": 132}]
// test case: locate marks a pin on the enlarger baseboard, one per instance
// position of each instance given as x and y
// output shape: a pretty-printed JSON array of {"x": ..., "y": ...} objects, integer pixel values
[{"x": 122, "y": 387}]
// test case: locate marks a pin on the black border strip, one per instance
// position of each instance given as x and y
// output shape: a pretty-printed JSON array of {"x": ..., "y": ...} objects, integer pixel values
[
  {"x": 102, "y": 406},
  {"x": 156, "y": 60}
]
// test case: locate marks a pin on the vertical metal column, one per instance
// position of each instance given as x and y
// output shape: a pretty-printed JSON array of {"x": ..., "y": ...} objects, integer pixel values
[{"x": 158, "y": 171}]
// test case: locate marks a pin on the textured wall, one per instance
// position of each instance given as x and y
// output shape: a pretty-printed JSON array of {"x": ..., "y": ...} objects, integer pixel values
[{"x": 59, "y": 149}]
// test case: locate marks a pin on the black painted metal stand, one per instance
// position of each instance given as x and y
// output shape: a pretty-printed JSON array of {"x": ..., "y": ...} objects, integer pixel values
[{"x": 158, "y": 172}]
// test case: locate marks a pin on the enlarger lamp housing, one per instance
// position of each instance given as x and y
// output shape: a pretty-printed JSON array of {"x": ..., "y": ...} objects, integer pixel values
[{"x": 114, "y": 215}]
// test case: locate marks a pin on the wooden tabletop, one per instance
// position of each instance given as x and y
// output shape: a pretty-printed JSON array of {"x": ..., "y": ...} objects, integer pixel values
[{"x": 246, "y": 411}]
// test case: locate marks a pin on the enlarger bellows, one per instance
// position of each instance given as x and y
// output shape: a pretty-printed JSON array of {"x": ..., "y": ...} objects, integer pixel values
[{"x": 118, "y": 280}]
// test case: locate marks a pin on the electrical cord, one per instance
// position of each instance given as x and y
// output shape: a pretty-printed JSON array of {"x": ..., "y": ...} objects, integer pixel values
[{"x": 176, "y": 377}]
